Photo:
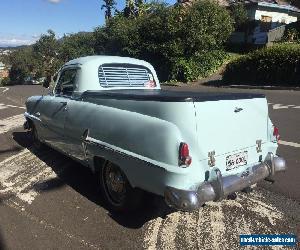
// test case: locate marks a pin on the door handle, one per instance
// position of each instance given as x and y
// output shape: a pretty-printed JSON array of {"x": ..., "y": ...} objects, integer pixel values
[{"x": 64, "y": 103}]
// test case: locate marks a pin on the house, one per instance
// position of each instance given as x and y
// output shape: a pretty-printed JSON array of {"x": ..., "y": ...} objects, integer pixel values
[
  {"x": 4, "y": 51},
  {"x": 3, "y": 71},
  {"x": 271, "y": 19}
]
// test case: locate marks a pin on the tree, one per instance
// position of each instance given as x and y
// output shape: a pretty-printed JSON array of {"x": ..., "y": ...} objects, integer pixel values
[
  {"x": 135, "y": 8},
  {"x": 119, "y": 37},
  {"x": 206, "y": 26},
  {"x": 46, "y": 50},
  {"x": 76, "y": 45},
  {"x": 23, "y": 64},
  {"x": 239, "y": 14},
  {"x": 129, "y": 10},
  {"x": 139, "y": 7},
  {"x": 242, "y": 23},
  {"x": 109, "y": 6}
]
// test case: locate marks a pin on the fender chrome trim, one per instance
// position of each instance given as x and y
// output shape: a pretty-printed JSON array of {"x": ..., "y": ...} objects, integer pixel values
[
  {"x": 29, "y": 116},
  {"x": 125, "y": 153}
]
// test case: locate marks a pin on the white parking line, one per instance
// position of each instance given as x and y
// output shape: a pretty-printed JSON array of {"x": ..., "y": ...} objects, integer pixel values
[
  {"x": 13, "y": 106},
  {"x": 4, "y": 89},
  {"x": 287, "y": 143},
  {"x": 283, "y": 106},
  {"x": 2, "y": 106},
  {"x": 280, "y": 106},
  {"x": 24, "y": 174},
  {"x": 11, "y": 123},
  {"x": 5, "y": 106}
]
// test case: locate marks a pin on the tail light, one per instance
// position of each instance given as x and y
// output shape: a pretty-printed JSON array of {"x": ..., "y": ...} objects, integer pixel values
[
  {"x": 276, "y": 133},
  {"x": 184, "y": 155},
  {"x": 150, "y": 84}
]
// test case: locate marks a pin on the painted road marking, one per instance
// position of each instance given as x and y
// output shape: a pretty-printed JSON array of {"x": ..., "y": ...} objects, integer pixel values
[
  {"x": 4, "y": 89},
  {"x": 5, "y": 106},
  {"x": 280, "y": 106},
  {"x": 287, "y": 143},
  {"x": 24, "y": 174},
  {"x": 283, "y": 106},
  {"x": 23, "y": 177},
  {"x": 2, "y": 106},
  {"x": 14, "y": 106},
  {"x": 11, "y": 123},
  {"x": 219, "y": 224}
]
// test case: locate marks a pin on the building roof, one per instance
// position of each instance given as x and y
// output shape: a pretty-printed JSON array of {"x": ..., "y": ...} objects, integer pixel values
[
  {"x": 278, "y": 4},
  {"x": 274, "y": 4}
]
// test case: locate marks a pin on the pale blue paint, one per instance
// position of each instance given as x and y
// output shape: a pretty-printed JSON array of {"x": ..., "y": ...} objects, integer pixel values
[{"x": 143, "y": 137}]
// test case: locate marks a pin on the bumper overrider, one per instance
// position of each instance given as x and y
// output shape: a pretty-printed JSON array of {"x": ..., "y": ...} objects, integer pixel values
[{"x": 221, "y": 186}]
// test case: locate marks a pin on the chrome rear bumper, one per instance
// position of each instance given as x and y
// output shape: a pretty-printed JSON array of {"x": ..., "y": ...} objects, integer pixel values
[{"x": 221, "y": 186}]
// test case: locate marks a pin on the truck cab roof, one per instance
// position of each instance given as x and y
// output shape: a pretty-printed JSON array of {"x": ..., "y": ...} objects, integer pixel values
[{"x": 112, "y": 72}]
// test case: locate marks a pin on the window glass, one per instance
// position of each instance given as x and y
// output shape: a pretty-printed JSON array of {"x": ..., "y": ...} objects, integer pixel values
[{"x": 66, "y": 82}]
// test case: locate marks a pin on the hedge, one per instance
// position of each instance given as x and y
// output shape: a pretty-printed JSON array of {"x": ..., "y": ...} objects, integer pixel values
[
  {"x": 276, "y": 65},
  {"x": 197, "y": 67}
]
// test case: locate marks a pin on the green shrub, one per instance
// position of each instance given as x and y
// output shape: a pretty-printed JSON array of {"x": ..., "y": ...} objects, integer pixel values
[
  {"x": 170, "y": 38},
  {"x": 4, "y": 81},
  {"x": 277, "y": 65},
  {"x": 198, "y": 66},
  {"x": 291, "y": 35},
  {"x": 292, "y": 32}
]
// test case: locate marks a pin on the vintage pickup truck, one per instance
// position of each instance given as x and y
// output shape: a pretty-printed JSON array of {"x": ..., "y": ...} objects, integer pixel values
[{"x": 110, "y": 114}]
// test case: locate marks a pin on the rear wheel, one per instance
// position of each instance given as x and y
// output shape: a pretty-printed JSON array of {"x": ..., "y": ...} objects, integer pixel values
[{"x": 116, "y": 189}]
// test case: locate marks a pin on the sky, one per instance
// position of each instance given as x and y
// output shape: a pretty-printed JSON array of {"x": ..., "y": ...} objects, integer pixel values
[{"x": 23, "y": 21}]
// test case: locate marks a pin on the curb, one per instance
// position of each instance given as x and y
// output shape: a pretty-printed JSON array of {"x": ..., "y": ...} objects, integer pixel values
[{"x": 260, "y": 87}]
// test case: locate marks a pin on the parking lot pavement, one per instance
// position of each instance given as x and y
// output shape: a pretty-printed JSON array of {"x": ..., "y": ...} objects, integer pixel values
[
  {"x": 50, "y": 201},
  {"x": 218, "y": 225}
]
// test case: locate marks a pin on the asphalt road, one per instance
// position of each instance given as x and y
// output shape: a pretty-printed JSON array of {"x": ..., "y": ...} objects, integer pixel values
[{"x": 48, "y": 201}]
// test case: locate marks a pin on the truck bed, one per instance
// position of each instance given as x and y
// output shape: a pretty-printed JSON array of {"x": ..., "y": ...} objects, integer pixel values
[{"x": 167, "y": 95}]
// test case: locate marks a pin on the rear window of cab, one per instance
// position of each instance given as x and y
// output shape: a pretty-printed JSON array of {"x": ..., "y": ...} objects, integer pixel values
[{"x": 125, "y": 75}]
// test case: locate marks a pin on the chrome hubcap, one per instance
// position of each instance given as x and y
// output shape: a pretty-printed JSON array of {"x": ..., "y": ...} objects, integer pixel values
[{"x": 115, "y": 183}]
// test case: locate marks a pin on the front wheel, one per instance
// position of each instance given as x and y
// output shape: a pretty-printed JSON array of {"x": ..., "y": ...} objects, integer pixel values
[{"x": 116, "y": 189}]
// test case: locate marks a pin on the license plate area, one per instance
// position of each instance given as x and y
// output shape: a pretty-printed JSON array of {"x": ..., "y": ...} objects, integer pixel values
[{"x": 236, "y": 160}]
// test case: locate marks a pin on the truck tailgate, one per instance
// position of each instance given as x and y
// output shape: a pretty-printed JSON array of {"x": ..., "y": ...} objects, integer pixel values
[{"x": 226, "y": 126}]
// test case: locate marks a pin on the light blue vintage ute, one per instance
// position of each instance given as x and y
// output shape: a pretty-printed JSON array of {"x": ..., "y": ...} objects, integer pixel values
[{"x": 110, "y": 114}]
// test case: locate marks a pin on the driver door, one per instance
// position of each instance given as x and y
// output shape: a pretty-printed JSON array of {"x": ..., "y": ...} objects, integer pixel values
[{"x": 56, "y": 109}]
